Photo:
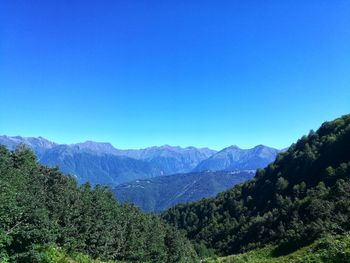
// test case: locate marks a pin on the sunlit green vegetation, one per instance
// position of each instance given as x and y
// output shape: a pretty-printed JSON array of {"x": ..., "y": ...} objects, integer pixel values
[
  {"x": 330, "y": 249},
  {"x": 297, "y": 209},
  {"x": 46, "y": 217},
  {"x": 302, "y": 196}
]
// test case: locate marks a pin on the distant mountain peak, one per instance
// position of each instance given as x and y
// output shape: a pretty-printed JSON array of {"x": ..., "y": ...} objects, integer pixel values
[
  {"x": 38, "y": 144},
  {"x": 90, "y": 143},
  {"x": 97, "y": 147},
  {"x": 168, "y": 147},
  {"x": 232, "y": 147},
  {"x": 261, "y": 146},
  {"x": 234, "y": 158}
]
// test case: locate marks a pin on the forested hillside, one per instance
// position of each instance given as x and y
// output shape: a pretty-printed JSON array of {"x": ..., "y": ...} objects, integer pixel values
[
  {"x": 301, "y": 196},
  {"x": 160, "y": 193},
  {"x": 41, "y": 209}
]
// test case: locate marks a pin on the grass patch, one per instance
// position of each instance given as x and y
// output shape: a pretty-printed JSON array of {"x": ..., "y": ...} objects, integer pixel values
[{"x": 330, "y": 249}]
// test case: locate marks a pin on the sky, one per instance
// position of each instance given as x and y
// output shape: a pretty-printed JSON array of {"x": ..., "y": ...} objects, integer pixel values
[{"x": 190, "y": 73}]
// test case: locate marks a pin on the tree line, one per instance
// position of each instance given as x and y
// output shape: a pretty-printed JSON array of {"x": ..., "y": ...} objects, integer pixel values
[
  {"x": 303, "y": 195},
  {"x": 39, "y": 207}
]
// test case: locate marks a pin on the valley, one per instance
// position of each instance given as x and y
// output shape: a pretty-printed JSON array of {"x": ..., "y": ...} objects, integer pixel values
[{"x": 160, "y": 193}]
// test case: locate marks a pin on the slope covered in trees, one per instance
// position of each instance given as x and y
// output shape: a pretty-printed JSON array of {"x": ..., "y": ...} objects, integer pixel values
[
  {"x": 301, "y": 196},
  {"x": 40, "y": 208},
  {"x": 159, "y": 193}
]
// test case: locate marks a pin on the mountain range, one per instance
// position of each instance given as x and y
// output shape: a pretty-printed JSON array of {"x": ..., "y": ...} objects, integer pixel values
[
  {"x": 234, "y": 158},
  {"x": 101, "y": 163}
]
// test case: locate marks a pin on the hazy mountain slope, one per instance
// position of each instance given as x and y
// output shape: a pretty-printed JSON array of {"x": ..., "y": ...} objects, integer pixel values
[
  {"x": 135, "y": 164},
  {"x": 160, "y": 193},
  {"x": 97, "y": 168},
  {"x": 96, "y": 148},
  {"x": 167, "y": 159},
  {"x": 233, "y": 158},
  {"x": 171, "y": 159},
  {"x": 101, "y": 163},
  {"x": 302, "y": 195},
  {"x": 38, "y": 145}
]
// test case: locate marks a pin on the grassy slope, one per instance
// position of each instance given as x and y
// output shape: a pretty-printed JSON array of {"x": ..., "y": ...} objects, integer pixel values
[{"x": 331, "y": 249}]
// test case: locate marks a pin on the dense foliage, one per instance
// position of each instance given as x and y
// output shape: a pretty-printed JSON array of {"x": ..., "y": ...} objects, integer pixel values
[
  {"x": 302, "y": 195},
  {"x": 40, "y": 207}
]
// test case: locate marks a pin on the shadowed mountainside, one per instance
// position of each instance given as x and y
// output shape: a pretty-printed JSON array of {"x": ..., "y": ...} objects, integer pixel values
[{"x": 160, "y": 193}]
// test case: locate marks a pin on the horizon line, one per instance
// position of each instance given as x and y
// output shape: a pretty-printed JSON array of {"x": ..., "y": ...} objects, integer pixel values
[{"x": 145, "y": 147}]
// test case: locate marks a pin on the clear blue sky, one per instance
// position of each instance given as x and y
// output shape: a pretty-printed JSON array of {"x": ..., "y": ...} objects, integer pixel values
[{"x": 202, "y": 73}]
